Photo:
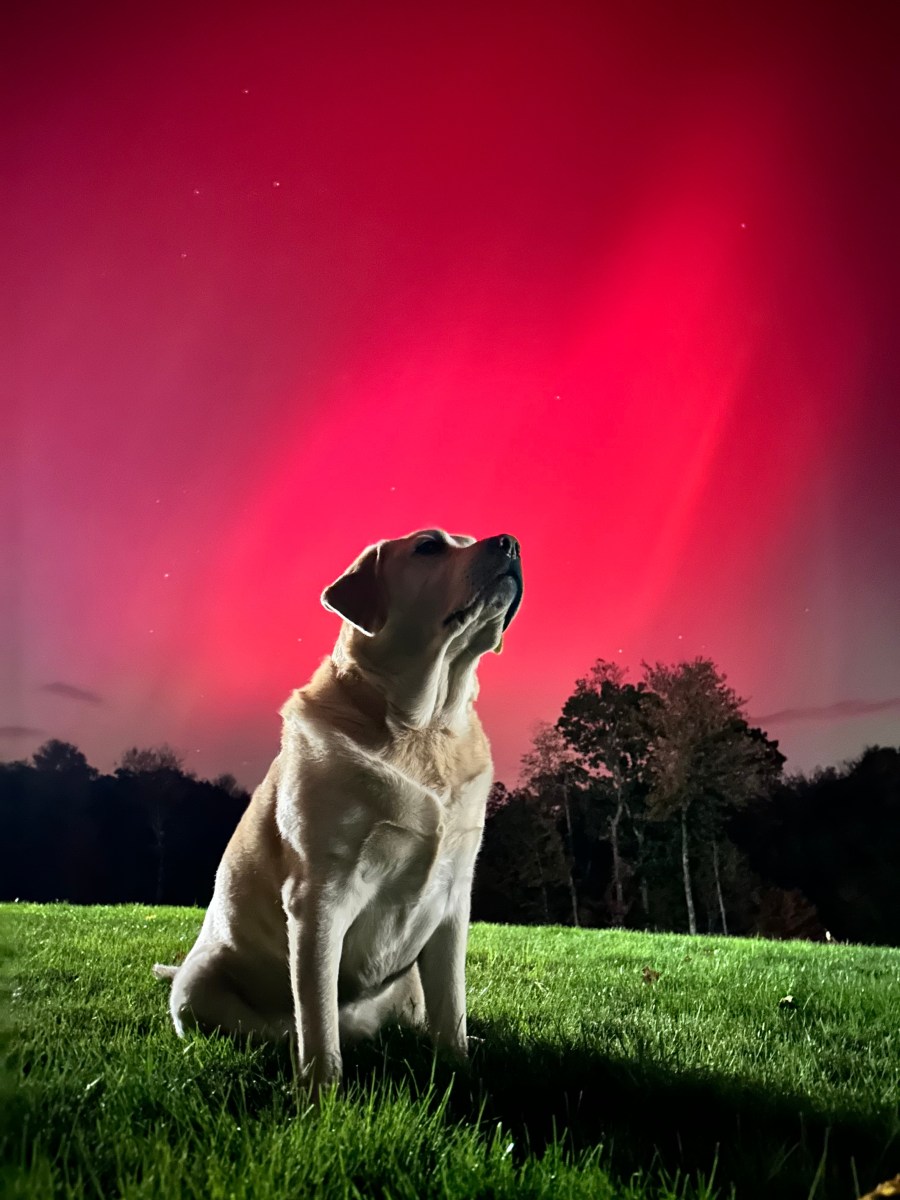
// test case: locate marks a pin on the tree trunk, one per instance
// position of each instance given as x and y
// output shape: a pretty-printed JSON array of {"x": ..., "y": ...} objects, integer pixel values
[
  {"x": 618, "y": 907},
  {"x": 573, "y": 895},
  {"x": 540, "y": 867},
  {"x": 645, "y": 891},
  {"x": 160, "y": 865},
  {"x": 686, "y": 870},
  {"x": 574, "y": 900},
  {"x": 158, "y": 825},
  {"x": 719, "y": 886}
]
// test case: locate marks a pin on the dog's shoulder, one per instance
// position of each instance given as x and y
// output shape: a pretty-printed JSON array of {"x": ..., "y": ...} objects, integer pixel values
[
  {"x": 256, "y": 836},
  {"x": 336, "y": 701},
  {"x": 334, "y": 780}
]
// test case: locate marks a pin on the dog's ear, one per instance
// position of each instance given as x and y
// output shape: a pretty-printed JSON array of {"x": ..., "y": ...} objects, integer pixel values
[{"x": 358, "y": 596}]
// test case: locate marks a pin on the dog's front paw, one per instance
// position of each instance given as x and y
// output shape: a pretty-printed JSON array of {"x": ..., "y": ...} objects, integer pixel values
[{"x": 320, "y": 1076}]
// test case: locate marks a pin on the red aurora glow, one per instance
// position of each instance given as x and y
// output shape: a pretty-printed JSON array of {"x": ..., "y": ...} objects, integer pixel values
[{"x": 301, "y": 277}]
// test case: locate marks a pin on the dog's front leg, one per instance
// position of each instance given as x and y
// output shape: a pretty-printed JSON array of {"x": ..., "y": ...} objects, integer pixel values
[
  {"x": 315, "y": 940},
  {"x": 442, "y": 966}
]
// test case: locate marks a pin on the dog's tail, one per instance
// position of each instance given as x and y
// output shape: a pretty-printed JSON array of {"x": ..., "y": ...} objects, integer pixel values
[{"x": 161, "y": 971}]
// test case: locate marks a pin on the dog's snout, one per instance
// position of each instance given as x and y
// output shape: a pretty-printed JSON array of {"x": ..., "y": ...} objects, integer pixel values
[{"x": 506, "y": 544}]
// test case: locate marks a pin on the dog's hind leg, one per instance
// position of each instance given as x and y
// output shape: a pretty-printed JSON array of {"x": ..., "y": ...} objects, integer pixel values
[{"x": 204, "y": 999}]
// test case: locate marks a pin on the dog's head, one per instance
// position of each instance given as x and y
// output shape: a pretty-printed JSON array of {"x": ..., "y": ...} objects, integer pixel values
[{"x": 431, "y": 590}]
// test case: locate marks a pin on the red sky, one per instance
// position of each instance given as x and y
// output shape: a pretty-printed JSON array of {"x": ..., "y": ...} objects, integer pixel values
[{"x": 621, "y": 280}]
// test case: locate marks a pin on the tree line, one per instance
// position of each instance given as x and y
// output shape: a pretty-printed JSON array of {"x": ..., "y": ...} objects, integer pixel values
[
  {"x": 651, "y": 805},
  {"x": 656, "y": 805},
  {"x": 151, "y": 832}
]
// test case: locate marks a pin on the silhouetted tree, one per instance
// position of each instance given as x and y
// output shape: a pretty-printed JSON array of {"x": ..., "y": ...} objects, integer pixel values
[
  {"x": 144, "y": 760},
  {"x": 59, "y": 795},
  {"x": 159, "y": 784},
  {"x": 608, "y": 725},
  {"x": 521, "y": 870},
  {"x": 150, "y": 832},
  {"x": 705, "y": 761},
  {"x": 833, "y": 835},
  {"x": 228, "y": 783},
  {"x": 63, "y": 758},
  {"x": 19, "y": 832},
  {"x": 549, "y": 775}
]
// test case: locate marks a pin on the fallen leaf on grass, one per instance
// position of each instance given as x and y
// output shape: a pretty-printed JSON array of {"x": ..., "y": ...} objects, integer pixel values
[
  {"x": 890, "y": 1187},
  {"x": 650, "y": 976}
]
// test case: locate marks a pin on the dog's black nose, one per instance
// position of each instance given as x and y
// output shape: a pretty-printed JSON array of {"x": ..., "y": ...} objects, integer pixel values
[{"x": 506, "y": 544}]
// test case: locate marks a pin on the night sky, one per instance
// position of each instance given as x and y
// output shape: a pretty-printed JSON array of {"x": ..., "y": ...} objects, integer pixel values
[{"x": 618, "y": 279}]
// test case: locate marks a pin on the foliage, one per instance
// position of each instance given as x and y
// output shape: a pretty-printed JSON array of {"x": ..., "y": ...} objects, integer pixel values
[
  {"x": 705, "y": 755},
  {"x": 705, "y": 761},
  {"x": 605, "y": 1066},
  {"x": 149, "y": 832},
  {"x": 62, "y": 758},
  {"x": 608, "y": 726},
  {"x": 522, "y": 870},
  {"x": 640, "y": 779},
  {"x": 138, "y": 760},
  {"x": 834, "y": 836}
]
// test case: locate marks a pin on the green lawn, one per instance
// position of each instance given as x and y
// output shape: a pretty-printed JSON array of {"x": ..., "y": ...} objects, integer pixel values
[{"x": 588, "y": 1081}]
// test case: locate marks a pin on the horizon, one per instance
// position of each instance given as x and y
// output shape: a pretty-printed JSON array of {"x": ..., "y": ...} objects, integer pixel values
[{"x": 843, "y": 709}]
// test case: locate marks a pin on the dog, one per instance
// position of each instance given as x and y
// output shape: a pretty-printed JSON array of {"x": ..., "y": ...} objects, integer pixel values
[{"x": 342, "y": 900}]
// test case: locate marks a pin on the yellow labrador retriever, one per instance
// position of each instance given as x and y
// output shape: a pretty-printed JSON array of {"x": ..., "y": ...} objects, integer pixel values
[{"x": 342, "y": 899}]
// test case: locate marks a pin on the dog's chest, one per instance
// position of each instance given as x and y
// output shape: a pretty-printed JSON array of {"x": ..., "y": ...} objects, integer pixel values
[
  {"x": 408, "y": 878},
  {"x": 392, "y": 929}
]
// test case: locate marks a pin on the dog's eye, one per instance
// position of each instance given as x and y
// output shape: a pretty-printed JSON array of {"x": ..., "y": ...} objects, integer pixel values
[{"x": 432, "y": 546}]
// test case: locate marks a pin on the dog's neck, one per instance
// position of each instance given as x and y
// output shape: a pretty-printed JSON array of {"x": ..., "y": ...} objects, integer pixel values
[{"x": 416, "y": 692}]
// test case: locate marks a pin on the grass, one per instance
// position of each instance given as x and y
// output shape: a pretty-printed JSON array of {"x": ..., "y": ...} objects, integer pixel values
[{"x": 589, "y": 1082}]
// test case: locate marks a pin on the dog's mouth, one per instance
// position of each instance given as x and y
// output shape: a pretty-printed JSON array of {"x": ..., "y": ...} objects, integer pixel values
[
  {"x": 514, "y": 572},
  {"x": 460, "y": 614}
]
